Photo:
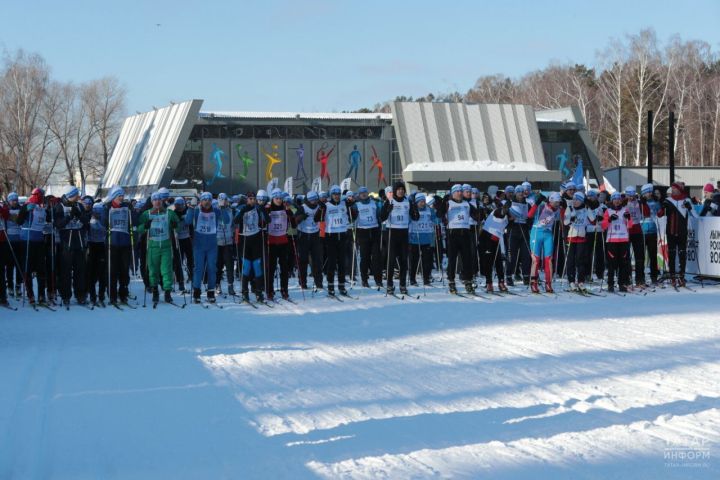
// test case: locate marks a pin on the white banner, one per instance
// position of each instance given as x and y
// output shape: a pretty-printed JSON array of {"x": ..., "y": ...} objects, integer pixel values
[
  {"x": 316, "y": 184},
  {"x": 288, "y": 186},
  {"x": 708, "y": 251},
  {"x": 345, "y": 184},
  {"x": 272, "y": 185},
  {"x": 691, "y": 265}
]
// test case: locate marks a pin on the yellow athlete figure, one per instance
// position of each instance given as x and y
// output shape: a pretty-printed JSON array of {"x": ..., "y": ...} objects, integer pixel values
[{"x": 272, "y": 159}]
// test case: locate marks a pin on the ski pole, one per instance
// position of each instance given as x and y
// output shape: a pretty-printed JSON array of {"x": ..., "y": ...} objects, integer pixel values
[
  {"x": 180, "y": 258},
  {"x": 297, "y": 261}
]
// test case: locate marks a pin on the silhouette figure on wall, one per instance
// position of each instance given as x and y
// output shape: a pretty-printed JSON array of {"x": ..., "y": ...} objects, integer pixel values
[
  {"x": 216, "y": 156},
  {"x": 246, "y": 160},
  {"x": 354, "y": 160},
  {"x": 300, "y": 152},
  {"x": 323, "y": 157},
  {"x": 376, "y": 162},
  {"x": 562, "y": 159},
  {"x": 273, "y": 158}
]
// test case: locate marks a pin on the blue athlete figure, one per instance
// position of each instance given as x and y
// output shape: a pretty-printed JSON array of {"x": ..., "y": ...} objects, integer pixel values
[
  {"x": 216, "y": 156},
  {"x": 562, "y": 158},
  {"x": 354, "y": 159}
]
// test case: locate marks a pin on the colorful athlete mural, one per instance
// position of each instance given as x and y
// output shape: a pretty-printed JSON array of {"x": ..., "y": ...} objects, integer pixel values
[
  {"x": 562, "y": 159},
  {"x": 323, "y": 157},
  {"x": 216, "y": 157},
  {"x": 273, "y": 158},
  {"x": 354, "y": 160},
  {"x": 246, "y": 159},
  {"x": 376, "y": 162},
  {"x": 300, "y": 174}
]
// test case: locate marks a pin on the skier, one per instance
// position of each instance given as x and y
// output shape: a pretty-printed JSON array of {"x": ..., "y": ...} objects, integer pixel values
[
  {"x": 251, "y": 220},
  {"x": 183, "y": 248},
  {"x": 491, "y": 245},
  {"x": 33, "y": 217},
  {"x": 678, "y": 209},
  {"x": 637, "y": 238},
  {"x": 335, "y": 213},
  {"x": 72, "y": 221},
  {"x": 121, "y": 220},
  {"x": 398, "y": 211},
  {"x": 651, "y": 211},
  {"x": 278, "y": 244},
  {"x": 518, "y": 234},
  {"x": 422, "y": 240},
  {"x": 368, "y": 238},
  {"x": 205, "y": 220},
  {"x": 158, "y": 222},
  {"x": 310, "y": 248},
  {"x": 617, "y": 222},
  {"x": 225, "y": 245},
  {"x": 545, "y": 215},
  {"x": 97, "y": 255},
  {"x": 578, "y": 218},
  {"x": 456, "y": 212}
]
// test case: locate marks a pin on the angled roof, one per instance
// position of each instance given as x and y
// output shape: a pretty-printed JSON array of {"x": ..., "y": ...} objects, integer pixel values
[{"x": 295, "y": 115}]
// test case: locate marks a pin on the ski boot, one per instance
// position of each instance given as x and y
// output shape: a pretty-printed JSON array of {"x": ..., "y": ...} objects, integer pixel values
[
  {"x": 681, "y": 281},
  {"x": 284, "y": 294},
  {"x": 403, "y": 290},
  {"x": 210, "y": 296},
  {"x": 342, "y": 290},
  {"x": 452, "y": 288},
  {"x": 573, "y": 287},
  {"x": 390, "y": 290},
  {"x": 502, "y": 287},
  {"x": 259, "y": 296},
  {"x": 470, "y": 288},
  {"x": 510, "y": 283},
  {"x": 534, "y": 286},
  {"x": 365, "y": 284},
  {"x": 624, "y": 288},
  {"x": 489, "y": 287},
  {"x": 549, "y": 287},
  {"x": 245, "y": 297},
  {"x": 168, "y": 297},
  {"x": 331, "y": 290},
  {"x": 155, "y": 295},
  {"x": 231, "y": 290},
  {"x": 196, "y": 295},
  {"x": 611, "y": 287}
]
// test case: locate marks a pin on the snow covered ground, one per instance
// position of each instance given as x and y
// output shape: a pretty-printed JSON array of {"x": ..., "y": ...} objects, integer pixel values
[{"x": 515, "y": 387}]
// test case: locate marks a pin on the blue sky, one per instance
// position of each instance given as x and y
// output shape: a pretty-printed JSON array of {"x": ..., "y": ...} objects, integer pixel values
[{"x": 323, "y": 55}]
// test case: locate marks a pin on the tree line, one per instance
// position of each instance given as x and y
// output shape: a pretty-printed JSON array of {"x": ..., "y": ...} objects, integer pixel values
[
  {"x": 53, "y": 131},
  {"x": 631, "y": 75}
]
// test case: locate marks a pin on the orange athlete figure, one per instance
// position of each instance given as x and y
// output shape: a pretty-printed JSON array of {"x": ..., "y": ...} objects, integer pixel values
[{"x": 376, "y": 162}]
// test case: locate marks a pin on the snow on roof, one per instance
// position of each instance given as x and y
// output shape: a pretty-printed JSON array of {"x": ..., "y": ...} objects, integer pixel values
[
  {"x": 296, "y": 115},
  {"x": 472, "y": 165}
]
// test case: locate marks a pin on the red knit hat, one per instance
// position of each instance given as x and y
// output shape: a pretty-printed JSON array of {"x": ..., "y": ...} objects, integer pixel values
[{"x": 708, "y": 188}]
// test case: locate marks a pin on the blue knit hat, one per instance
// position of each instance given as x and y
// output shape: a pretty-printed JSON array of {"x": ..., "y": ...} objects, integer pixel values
[
  {"x": 164, "y": 193},
  {"x": 519, "y": 189},
  {"x": 630, "y": 191},
  {"x": 156, "y": 196},
  {"x": 13, "y": 197},
  {"x": 579, "y": 196},
  {"x": 647, "y": 188},
  {"x": 276, "y": 193},
  {"x": 71, "y": 191},
  {"x": 362, "y": 190},
  {"x": 204, "y": 196},
  {"x": 456, "y": 188},
  {"x": 115, "y": 192},
  {"x": 554, "y": 197},
  {"x": 466, "y": 187},
  {"x": 509, "y": 189},
  {"x": 323, "y": 194},
  {"x": 179, "y": 201},
  {"x": 616, "y": 195},
  {"x": 335, "y": 190},
  {"x": 312, "y": 196},
  {"x": 420, "y": 197}
]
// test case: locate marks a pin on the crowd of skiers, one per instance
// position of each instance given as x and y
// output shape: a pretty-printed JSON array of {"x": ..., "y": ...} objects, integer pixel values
[{"x": 53, "y": 249}]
